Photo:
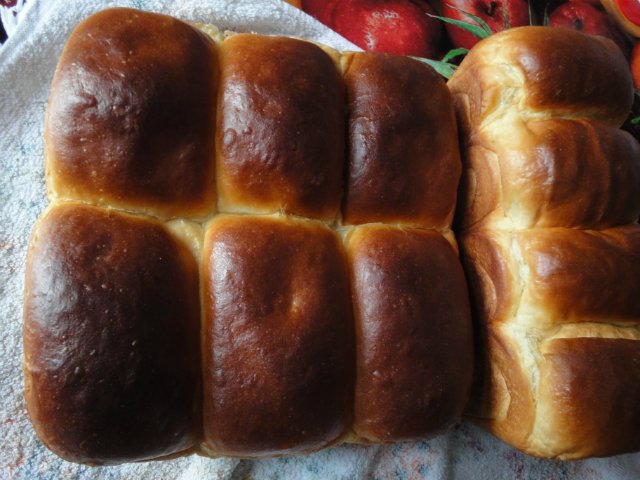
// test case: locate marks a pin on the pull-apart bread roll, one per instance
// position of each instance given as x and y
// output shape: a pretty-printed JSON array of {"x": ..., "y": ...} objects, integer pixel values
[
  {"x": 551, "y": 172},
  {"x": 112, "y": 321},
  {"x": 404, "y": 159},
  {"x": 550, "y": 199},
  {"x": 193, "y": 286},
  {"x": 559, "y": 74},
  {"x": 280, "y": 137},
  {"x": 131, "y": 114},
  {"x": 278, "y": 364},
  {"x": 410, "y": 301},
  {"x": 408, "y": 384}
]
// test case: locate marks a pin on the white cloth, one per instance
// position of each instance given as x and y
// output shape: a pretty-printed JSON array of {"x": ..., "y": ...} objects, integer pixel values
[
  {"x": 27, "y": 62},
  {"x": 11, "y": 16}
]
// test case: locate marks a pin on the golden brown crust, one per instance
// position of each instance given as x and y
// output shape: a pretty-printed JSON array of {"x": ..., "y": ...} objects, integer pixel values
[
  {"x": 491, "y": 273},
  {"x": 132, "y": 125},
  {"x": 281, "y": 130},
  {"x": 536, "y": 107},
  {"x": 131, "y": 115},
  {"x": 585, "y": 400},
  {"x": 413, "y": 333},
  {"x": 550, "y": 173},
  {"x": 111, "y": 325},
  {"x": 501, "y": 390},
  {"x": 530, "y": 287},
  {"x": 404, "y": 163},
  {"x": 278, "y": 349},
  {"x": 584, "y": 276},
  {"x": 551, "y": 276},
  {"x": 589, "y": 397},
  {"x": 537, "y": 70}
]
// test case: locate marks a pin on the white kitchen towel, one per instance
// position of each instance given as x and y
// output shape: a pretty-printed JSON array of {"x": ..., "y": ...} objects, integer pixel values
[
  {"x": 11, "y": 14},
  {"x": 27, "y": 62}
]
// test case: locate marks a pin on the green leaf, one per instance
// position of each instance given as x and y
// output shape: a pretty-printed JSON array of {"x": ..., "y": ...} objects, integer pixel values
[
  {"x": 480, "y": 22},
  {"x": 532, "y": 13},
  {"x": 545, "y": 19},
  {"x": 635, "y": 121},
  {"x": 480, "y": 31},
  {"x": 456, "y": 52},
  {"x": 505, "y": 18},
  {"x": 443, "y": 68}
]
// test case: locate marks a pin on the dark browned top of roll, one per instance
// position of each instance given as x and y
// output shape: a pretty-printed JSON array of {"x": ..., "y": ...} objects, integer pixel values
[
  {"x": 413, "y": 333},
  {"x": 278, "y": 348},
  {"x": 131, "y": 115},
  {"x": 148, "y": 116},
  {"x": 280, "y": 136},
  {"x": 404, "y": 162},
  {"x": 111, "y": 337}
]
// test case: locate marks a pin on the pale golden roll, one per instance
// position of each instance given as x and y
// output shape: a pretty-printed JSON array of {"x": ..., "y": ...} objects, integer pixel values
[
  {"x": 414, "y": 352},
  {"x": 281, "y": 128},
  {"x": 278, "y": 337},
  {"x": 542, "y": 278},
  {"x": 403, "y": 162},
  {"x": 503, "y": 393},
  {"x": 550, "y": 244},
  {"x": 131, "y": 115},
  {"x": 569, "y": 395},
  {"x": 540, "y": 71},
  {"x": 111, "y": 337},
  {"x": 554, "y": 172},
  {"x": 537, "y": 294}
]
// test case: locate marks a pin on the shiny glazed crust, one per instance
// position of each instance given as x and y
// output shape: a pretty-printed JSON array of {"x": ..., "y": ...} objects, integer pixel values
[
  {"x": 554, "y": 276},
  {"x": 131, "y": 113},
  {"x": 534, "y": 177},
  {"x": 407, "y": 385},
  {"x": 403, "y": 152},
  {"x": 239, "y": 149},
  {"x": 550, "y": 241},
  {"x": 278, "y": 353},
  {"x": 280, "y": 149},
  {"x": 541, "y": 72},
  {"x": 111, "y": 330}
]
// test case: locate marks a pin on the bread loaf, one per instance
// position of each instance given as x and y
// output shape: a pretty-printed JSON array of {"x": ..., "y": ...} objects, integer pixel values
[
  {"x": 242, "y": 183},
  {"x": 550, "y": 242}
]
